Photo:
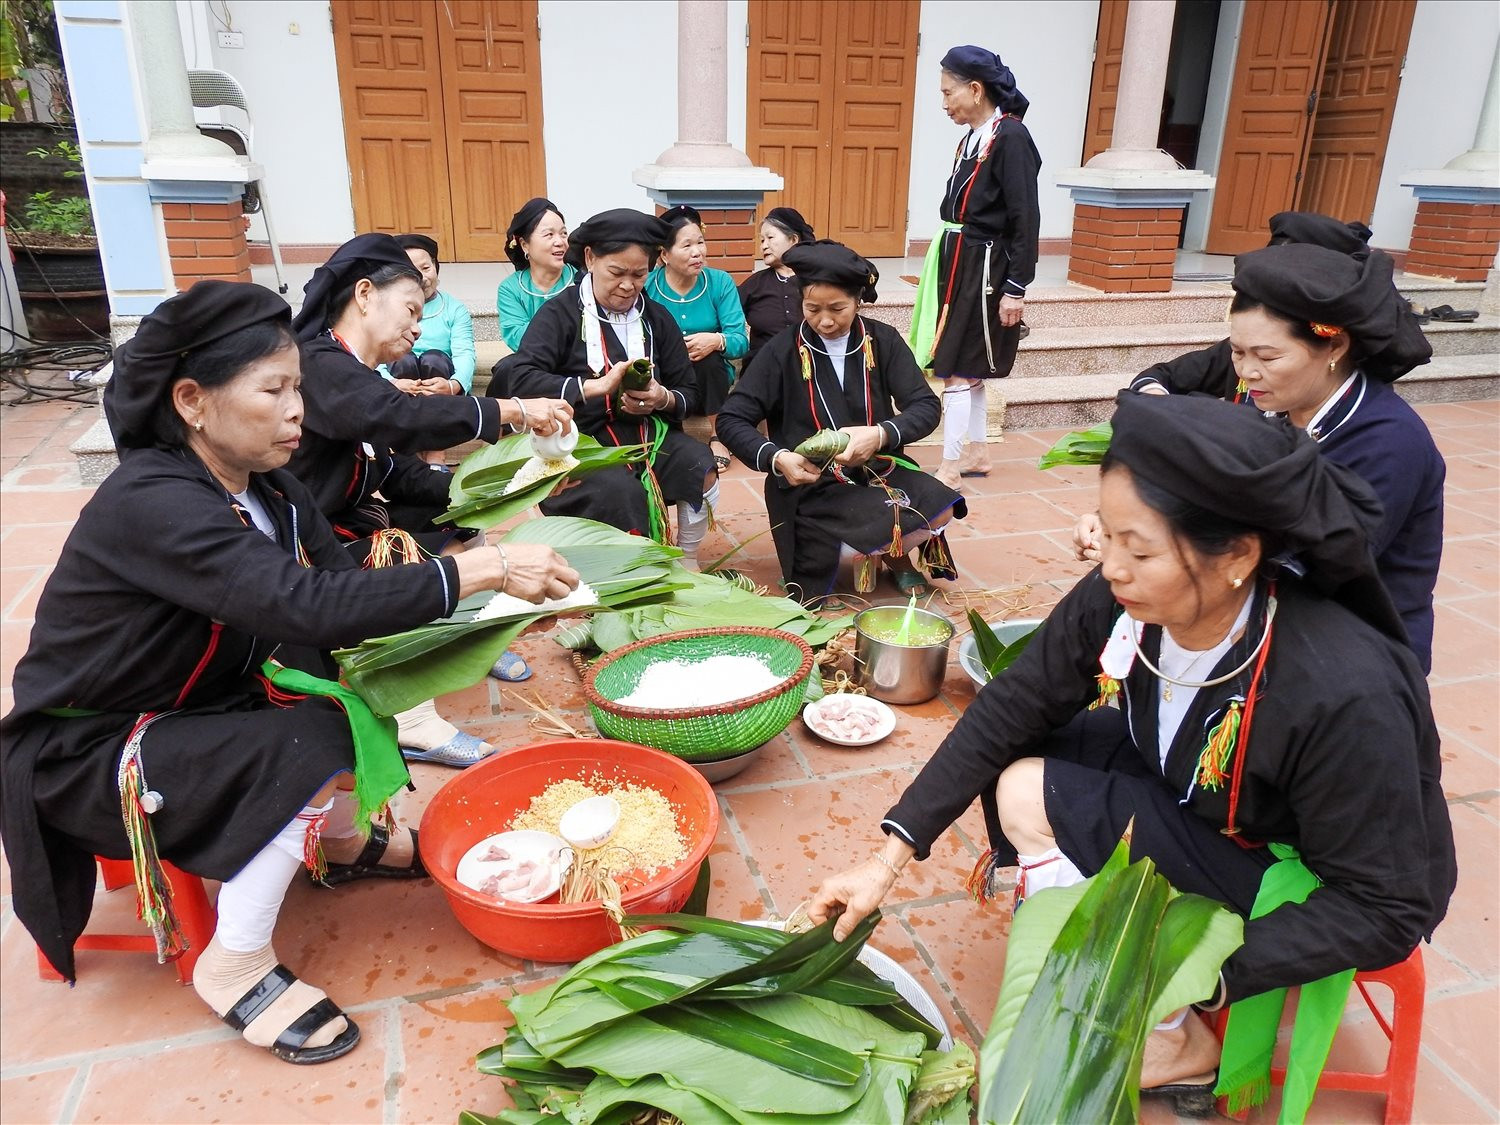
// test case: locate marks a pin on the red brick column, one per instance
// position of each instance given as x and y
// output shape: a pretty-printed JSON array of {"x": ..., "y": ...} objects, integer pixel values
[
  {"x": 1124, "y": 250},
  {"x": 733, "y": 240},
  {"x": 1457, "y": 241},
  {"x": 206, "y": 240}
]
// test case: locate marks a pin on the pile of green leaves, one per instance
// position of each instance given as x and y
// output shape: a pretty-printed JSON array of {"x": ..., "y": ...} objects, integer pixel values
[
  {"x": 702, "y": 601},
  {"x": 993, "y": 653},
  {"x": 476, "y": 495},
  {"x": 718, "y": 1023},
  {"x": 1089, "y": 971},
  {"x": 1081, "y": 447},
  {"x": 394, "y": 673}
]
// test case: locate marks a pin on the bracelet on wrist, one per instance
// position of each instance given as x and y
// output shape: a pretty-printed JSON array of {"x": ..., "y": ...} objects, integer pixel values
[
  {"x": 880, "y": 858},
  {"x": 520, "y": 422},
  {"x": 505, "y": 568}
]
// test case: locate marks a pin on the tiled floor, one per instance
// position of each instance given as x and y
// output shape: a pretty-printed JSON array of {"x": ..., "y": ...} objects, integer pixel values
[{"x": 129, "y": 1044}]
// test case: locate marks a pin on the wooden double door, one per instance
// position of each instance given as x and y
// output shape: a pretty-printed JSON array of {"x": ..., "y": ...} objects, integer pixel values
[
  {"x": 831, "y": 88},
  {"x": 1310, "y": 109},
  {"x": 442, "y": 117}
]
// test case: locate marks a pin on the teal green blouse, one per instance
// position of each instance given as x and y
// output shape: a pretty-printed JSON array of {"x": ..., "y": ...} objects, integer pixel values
[
  {"x": 712, "y": 305},
  {"x": 517, "y": 300}
]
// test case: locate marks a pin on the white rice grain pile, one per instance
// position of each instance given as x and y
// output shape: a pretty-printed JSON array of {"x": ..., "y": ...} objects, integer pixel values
[{"x": 672, "y": 684}]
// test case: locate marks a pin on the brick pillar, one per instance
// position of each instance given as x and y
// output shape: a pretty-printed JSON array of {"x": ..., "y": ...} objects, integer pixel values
[
  {"x": 206, "y": 240},
  {"x": 1456, "y": 241},
  {"x": 1124, "y": 249},
  {"x": 733, "y": 240}
]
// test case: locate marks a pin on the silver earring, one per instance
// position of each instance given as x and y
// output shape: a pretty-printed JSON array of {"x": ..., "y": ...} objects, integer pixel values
[
  {"x": 1333, "y": 367},
  {"x": 1236, "y": 582},
  {"x": 198, "y": 426}
]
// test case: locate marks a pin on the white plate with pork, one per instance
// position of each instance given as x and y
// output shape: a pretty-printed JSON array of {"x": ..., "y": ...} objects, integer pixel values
[{"x": 847, "y": 719}]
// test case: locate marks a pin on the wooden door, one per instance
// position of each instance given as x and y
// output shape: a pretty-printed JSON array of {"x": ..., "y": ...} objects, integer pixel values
[
  {"x": 490, "y": 56},
  {"x": 1109, "y": 49},
  {"x": 1271, "y": 102},
  {"x": 389, "y": 80},
  {"x": 831, "y": 91},
  {"x": 1356, "y": 103}
]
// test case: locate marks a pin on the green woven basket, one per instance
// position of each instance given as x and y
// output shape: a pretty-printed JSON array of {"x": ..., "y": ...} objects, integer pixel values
[{"x": 701, "y": 734}]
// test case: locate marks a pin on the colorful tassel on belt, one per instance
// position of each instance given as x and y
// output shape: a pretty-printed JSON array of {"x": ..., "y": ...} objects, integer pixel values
[{"x": 153, "y": 892}]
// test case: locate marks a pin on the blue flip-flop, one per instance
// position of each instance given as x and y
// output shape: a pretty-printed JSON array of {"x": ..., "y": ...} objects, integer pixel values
[
  {"x": 511, "y": 669},
  {"x": 460, "y": 751}
]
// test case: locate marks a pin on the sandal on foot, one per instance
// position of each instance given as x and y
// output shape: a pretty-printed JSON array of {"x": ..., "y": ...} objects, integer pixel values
[
  {"x": 289, "y": 1044},
  {"x": 1190, "y": 1098},
  {"x": 911, "y": 582},
  {"x": 459, "y": 752},
  {"x": 510, "y": 668},
  {"x": 367, "y": 864},
  {"x": 721, "y": 460}
]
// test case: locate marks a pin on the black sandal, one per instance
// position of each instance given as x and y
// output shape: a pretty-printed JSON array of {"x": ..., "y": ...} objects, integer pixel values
[
  {"x": 367, "y": 864},
  {"x": 289, "y": 1044},
  {"x": 1189, "y": 1099},
  {"x": 720, "y": 462},
  {"x": 1453, "y": 316}
]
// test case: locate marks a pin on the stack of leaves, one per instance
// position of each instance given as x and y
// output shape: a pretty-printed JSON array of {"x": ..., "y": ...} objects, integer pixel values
[
  {"x": 702, "y": 601},
  {"x": 1081, "y": 447},
  {"x": 479, "y": 495},
  {"x": 994, "y": 654},
  {"x": 396, "y": 672},
  {"x": 1089, "y": 971},
  {"x": 717, "y": 1023}
]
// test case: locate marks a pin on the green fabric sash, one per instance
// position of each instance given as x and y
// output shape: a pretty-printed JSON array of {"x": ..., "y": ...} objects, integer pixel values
[
  {"x": 379, "y": 769},
  {"x": 1250, "y": 1037},
  {"x": 928, "y": 303}
]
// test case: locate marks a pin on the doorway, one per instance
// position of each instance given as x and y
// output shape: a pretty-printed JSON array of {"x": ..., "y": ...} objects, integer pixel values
[
  {"x": 831, "y": 89},
  {"x": 442, "y": 117}
]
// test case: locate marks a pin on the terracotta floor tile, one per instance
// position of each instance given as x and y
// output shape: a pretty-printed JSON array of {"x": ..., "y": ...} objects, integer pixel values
[
  {"x": 40, "y": 546},
  {"x": 1455, "y": 413},
  {"x": 894, "y": 938},
  {"x": 43, "y": 505},
  {"x": 1474, "y": 562},
  {"x": 1469, "y": 472},
  {"x": 735, "y": 892},
  {"x": 36, "y": 1098},
  {"x": 911, "y": 744},
  {"x": 1467, "y": 769},
  {"x": 967, "y": 943},
  {"x": 1462, "y": 647},
  {"x": 20, "y": 586},
  {"x": 1467, "y": 707},
  {"x": 1470, "y": 933},
  {"x": 1463, "y": 1030},
  {"x": 439, "y": 1040},
  {"x": 776, "y": 764},
  {"x": 231, "y": 1081}
]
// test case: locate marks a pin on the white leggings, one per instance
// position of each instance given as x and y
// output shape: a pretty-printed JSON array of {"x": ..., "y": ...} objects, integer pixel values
[
  {"x": 692, "y": 523},
  {"x": 963, "y": 416}
]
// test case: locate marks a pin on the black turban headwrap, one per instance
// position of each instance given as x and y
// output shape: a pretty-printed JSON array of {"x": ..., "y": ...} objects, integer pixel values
[
  {"x": 361, "y": 256},
  {"x": 975, "y": 64},
  {"x": 623, "y": 224},
  {"x": 1264, "y": 474},
  {"x": 825, "y": 262},
  {"x": 790, "y": 221},
  {"x": 1352, "y": 239},
  {"x": 522, "y": 225},
  {"x": 419, "y": 242},
  {"x": 147, "y": 363},
  {"x": 1321, "y": 286}
]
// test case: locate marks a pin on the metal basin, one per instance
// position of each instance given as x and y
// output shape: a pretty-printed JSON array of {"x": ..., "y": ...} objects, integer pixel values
[
  {"x": 1007, "y": 632},
  {"x": 901, "y": 674}
]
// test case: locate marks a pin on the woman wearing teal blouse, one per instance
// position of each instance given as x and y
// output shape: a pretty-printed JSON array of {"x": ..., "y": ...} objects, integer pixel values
[
  {"x": 535, "y": 243},
  {"x": 441, "y": 362},
  {"x": 706, "y": 306}
]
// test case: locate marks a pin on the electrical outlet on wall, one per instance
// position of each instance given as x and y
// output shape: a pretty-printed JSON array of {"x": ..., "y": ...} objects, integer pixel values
[{"x": 234, "y": 39}]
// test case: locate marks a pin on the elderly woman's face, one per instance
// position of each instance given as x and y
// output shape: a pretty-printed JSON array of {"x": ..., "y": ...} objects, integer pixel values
[
  {"x": 251, "y": 424},
  {"x": 688, "y": 251},
  {"x": 774, "y": 242},
  {"x": 427, "y": 268},
  {"x": 828, "y": 310},
  {"x": 618, "y": 277},
  {"x": 391, "y": 318},
  {"x": 961, "y": 100},
  {"x": 1157, "y": 579},
  {"x": 548, "y": 242},
  {"x": 1282, "y": 373}
]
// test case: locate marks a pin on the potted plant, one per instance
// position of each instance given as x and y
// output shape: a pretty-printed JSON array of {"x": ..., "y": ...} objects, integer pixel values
[{"x": 58, "y": 269}]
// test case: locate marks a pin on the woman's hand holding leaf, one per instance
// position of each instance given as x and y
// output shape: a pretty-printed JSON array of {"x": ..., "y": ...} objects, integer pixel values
[
  {"x": 796, "y": 469},
  {"x": 864, "y": 443},
  {"x": 607, "y": 384},
  {"x": 533, "y": 572},
  {"x": 851, "y": 895}
]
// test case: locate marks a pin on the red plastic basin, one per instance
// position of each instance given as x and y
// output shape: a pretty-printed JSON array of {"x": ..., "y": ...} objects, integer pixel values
[{"x": 485, "y": 798}]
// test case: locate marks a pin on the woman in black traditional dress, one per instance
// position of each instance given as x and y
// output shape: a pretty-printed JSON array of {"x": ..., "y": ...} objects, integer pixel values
[
  {"x": 149, "y": 680},
  {"x": 577, "y": 348},
  {"x": 770, "y": 297},
  {"x": 966, "y": 323},
  {"x": 1264, "y": 727},
  {"x": 838, "y": 371}
]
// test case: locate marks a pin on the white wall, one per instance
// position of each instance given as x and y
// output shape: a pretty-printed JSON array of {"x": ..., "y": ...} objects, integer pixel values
[
  {"x": 609, "y": 98},
  {"x": 1049, "y": 46},
  {"x": 1437, "y": 109},
  {"x": 291, "y": 84}
]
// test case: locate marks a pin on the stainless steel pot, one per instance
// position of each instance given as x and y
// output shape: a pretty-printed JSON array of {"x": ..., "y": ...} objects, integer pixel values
[{"x": 901, "y": 674}]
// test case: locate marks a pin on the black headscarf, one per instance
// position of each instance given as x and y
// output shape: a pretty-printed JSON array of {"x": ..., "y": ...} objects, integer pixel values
[
  {"x": 1321, "y": 286},
  {"x": 1264, "y": 474},
  {"x": 975, "y": 64},
  {"x": 147, "y": 363},
  {"x": 361, "y": 256},
  {"x": 420, "y": 242},
  {"x": 522, "y": 225},
  {"x": 623, "y": 224},
  {"x": 825, "y": 262},
  {"x": 790, "y": 221},
  {"x": 1352, "y": 239}
]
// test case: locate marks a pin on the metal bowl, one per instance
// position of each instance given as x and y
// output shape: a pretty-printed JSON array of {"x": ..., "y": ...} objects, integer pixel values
[
  {"x": 722, "y": 769},
  {"x": 1007, "y": 632},
  {"x": 900, "y": 674}
]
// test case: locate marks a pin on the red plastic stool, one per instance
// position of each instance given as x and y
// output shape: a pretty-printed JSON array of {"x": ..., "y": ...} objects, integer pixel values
[
  {"x": 1398, "y": 1081},
  {"x": 194, "y": 912}
]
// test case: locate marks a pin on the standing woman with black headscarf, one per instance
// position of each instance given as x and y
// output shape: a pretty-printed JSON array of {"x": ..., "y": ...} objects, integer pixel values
[
  {"x": 577, "y": 349},
  {"x": 966, "y": 323}
]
